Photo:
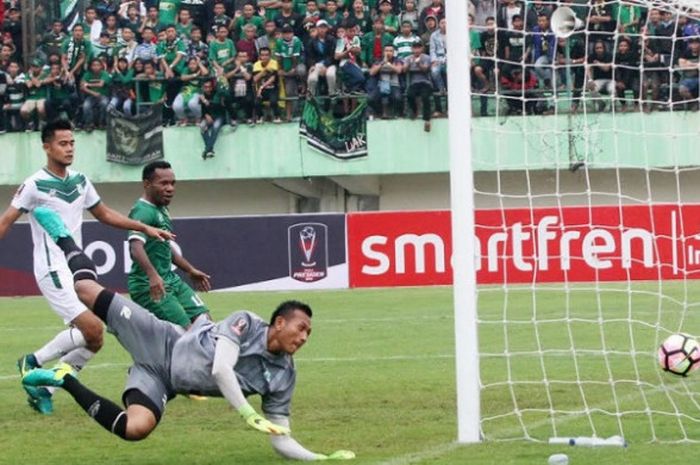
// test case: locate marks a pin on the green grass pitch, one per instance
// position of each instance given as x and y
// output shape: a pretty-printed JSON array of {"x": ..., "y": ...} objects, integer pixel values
[{"x": 377, "y": 377}]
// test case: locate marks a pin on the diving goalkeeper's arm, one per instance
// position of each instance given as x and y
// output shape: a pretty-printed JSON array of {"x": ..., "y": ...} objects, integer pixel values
[{"x": 225, "y": 357}]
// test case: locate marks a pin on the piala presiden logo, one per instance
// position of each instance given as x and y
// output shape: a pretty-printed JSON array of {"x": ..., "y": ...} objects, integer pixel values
[{"x": 308, "y": 251}]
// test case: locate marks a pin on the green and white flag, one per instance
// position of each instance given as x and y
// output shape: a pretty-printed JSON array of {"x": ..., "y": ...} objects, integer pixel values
[{"x": 342, "y": 138}]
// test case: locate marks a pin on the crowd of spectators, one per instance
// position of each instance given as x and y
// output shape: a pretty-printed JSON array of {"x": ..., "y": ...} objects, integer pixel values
[{"x": 212, "y": 62}]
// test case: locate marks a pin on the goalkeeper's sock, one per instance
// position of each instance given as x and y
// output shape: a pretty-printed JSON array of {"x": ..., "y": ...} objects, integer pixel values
[
  {"x": 105, "y": 412},
  {"x": 80, "y": 264}
]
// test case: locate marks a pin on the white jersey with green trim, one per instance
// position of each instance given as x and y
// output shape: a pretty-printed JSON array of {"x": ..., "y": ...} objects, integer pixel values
[{"x": 68, "y": 196}]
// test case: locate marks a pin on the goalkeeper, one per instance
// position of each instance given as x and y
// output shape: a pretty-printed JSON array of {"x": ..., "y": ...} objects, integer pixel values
[{"x": 238, "y": 357}]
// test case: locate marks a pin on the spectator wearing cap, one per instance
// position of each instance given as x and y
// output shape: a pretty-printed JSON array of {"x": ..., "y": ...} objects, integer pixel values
[
  {"x": 689, "y": 64},
  {"x": 288, "y": 17},
  {"x": 34, "y": 107},
  {"x": 292, "y": 69},
  {"x": 431, "y": 25},
  {"x": 331, "y": 15},
  {"x": 385, "y": 87},
  {"x": 75, "y": 52},
  {"x": 265, "y": 78},
  {"x": 373, "y": 43},
  {"x": 247, "y": 16},
  {"x": 391, "y": 21},
  {"x": 247, "y": 42},
  {"x": 347, "y": 51},
  {"x": 410, "y": 14},
  {"x": 95, "y": 88},
  {"x": 360, "y": 16},
  {"x": 320, "y": 58},
  {"x": 419, "y": 86},
  {"x": 438, "y": 56}
]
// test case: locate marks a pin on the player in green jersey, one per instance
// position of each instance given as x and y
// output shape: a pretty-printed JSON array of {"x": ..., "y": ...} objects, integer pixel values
[{"x": 152, "y": 283}]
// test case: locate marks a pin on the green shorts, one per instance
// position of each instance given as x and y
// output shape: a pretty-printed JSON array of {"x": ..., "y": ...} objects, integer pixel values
[{"x": 180, "y": 305}]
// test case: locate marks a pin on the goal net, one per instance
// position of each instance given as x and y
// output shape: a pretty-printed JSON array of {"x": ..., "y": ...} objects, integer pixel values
[{"x": 587, "y": 189}]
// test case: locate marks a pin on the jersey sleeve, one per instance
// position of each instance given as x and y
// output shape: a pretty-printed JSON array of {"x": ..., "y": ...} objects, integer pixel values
[
  {"x": 92, "y": 198},
  {"x": 144, "y": 216},
  {"x": 25, "y": 198},
  {"x": 237, "y": 327}
]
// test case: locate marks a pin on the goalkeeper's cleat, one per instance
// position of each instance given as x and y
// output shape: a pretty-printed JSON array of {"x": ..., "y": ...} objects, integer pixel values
[
  {"x": 51, "y": 222},
  {"x": 197, "y": 397},
  {"x": 43, "y": 377},
  {"x": 39, "y": 399}
]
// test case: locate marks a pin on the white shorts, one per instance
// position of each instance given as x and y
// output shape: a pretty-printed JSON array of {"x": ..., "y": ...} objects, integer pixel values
[{"x": 57, "y": 287}]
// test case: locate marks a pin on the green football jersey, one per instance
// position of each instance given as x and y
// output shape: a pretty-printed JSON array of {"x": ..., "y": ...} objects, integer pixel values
[
  {"x": 159, "y": 252},
  {"x": 167, "y": 11}
]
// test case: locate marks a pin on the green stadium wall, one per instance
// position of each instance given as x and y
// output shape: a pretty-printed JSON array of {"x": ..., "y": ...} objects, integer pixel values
[{"x": 602, "y": 140}]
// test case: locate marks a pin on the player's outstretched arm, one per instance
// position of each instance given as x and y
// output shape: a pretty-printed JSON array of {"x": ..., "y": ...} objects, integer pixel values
[
  {"x": 225, "y": 357},
  {"x": 107, "y": 215},
  {"x": 199, "y": 278},
  {"x": 290, "y": 448}
]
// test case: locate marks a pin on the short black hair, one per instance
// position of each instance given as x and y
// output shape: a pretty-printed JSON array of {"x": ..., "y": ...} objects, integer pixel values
[
  {"x": 287, "y": 308},
  {"x": 264, "y": 49},
  {"x": 150, "y": 169},
  {"x": 56, "y": 125}
]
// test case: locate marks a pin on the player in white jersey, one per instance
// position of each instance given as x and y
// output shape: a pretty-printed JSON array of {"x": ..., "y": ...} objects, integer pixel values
[
  {"x": 69, "y": 193},
  {"x": 235, "y": 358}
]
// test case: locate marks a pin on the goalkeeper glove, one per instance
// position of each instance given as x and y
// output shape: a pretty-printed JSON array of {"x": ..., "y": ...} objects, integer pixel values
[
  {"x": 337, "y": 455},
  {"x": 257, "y": 421}
]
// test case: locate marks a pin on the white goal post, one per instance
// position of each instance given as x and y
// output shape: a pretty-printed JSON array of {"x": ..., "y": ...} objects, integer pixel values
[{"x": 575, "y": 201}]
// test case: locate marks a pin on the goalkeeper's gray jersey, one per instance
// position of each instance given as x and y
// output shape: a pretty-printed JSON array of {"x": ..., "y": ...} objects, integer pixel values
[{"x": 272, "y": 376}]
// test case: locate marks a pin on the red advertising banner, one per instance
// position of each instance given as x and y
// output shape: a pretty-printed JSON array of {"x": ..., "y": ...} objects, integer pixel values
[{"x": 529, "y": 245}]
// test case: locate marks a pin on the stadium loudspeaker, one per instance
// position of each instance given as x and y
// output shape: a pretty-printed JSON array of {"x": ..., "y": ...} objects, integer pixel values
[{"x": 565, "y": 22}]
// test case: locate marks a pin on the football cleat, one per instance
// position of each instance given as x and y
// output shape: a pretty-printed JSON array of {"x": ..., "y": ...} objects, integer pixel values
[
  {"x": 43, "y": 377},
  {"x": 39, "y": 399},
  {"x": 51, "y": 222}
]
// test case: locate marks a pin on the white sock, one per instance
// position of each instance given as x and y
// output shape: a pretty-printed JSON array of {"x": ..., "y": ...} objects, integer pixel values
[
  {"x": 66, "y": 341},
  {"x": 76, "y": 358}
]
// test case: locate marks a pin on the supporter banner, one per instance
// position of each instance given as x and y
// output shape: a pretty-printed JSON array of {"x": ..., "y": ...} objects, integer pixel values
[
  {"x": 134, "y": 140},
  {"x": 240, "y": 253},
  {"x": 342, "y": 138},
  {"x": 529, "y": 246}
]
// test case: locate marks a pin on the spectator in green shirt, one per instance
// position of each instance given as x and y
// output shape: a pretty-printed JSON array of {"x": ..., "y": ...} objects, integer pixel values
[
  {"x": 75, "y": 52},
  {"x": 95, "y": 87},
  {"x": 391, "y": 21},
  {"x": 184, "y": 25},
  {"x": 292, "y": 67},
  {"x": 247, "y": 16},
  {"x": 331, "y": 15},
  {"x": 373, "y": 42},
  {"x": 122, "y": 87},
  {"x": 171, "y": 53},
  {"x": 167, "y": 11},
  {"x": 61, "y": 96},
  {"x": 222, "y": 52},
  {"x": 155, "y": 85},
  {"x": 187, "y": 101},
  {"x": 34, "y": 106}
]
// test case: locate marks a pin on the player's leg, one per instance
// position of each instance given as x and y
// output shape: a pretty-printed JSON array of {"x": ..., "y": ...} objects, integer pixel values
[
  {"x": 189, "y": 300},
  {"x": 167, "y": 308},
  {"x": 135, "y": 423}
]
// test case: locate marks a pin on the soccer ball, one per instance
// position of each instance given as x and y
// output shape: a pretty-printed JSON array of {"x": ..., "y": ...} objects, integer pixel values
[{"x": 679, "y": 354}]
